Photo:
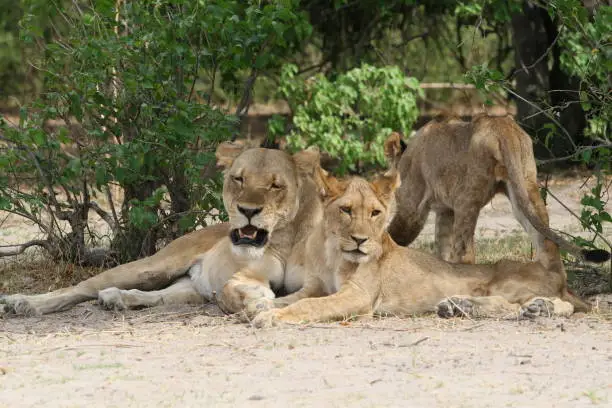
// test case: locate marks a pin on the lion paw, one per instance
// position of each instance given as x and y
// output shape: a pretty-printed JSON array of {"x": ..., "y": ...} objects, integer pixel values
[
  {"x": 255, "y": 307},
  {"x": 266, "y": 319},
  {"x": 19, "y": 305},
  {"x": 111, "y": 299},
  {"x": 536, "y": 308},
  {"x": 455, "y": 307}
]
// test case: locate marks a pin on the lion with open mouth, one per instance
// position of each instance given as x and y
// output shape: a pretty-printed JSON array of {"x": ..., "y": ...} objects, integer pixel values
[{"x": 272, "y": 202}]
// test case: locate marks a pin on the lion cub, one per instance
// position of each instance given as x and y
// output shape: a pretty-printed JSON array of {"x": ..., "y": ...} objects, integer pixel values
[
  {"x": 454, "y": 168},
  {"x": 353, "y": 267}
]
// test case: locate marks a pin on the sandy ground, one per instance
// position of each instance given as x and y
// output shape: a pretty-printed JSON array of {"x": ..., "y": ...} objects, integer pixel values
[
  {"x": 183, "y": 358},
  {"x": 190, "y": 356}
]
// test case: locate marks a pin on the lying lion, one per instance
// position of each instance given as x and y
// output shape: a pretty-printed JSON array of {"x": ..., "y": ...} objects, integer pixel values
[
  {"x": 454, "y": 168},
  {"x": 272, "y": 202},
  {"x": 353, "y": 267}
]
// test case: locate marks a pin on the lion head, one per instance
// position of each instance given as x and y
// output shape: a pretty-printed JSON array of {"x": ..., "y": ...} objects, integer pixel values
[
  {"x": 261, "y": 192},
  {"x": 357, "y": 213}
]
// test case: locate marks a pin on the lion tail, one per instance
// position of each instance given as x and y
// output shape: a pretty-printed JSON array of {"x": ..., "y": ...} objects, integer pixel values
[{"x": 515, "y": 158}]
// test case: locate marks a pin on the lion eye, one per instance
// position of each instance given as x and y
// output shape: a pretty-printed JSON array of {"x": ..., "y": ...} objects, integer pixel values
[
  {"x": 375, "y": 213},
  {"x": 346, "y": 210},
  {"x": 238, "y": 179},
  {"x": 276, "y": 186}
]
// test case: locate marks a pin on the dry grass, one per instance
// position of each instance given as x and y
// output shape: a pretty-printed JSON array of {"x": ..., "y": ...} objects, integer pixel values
[
  {"x": 31, "y": 274},
  {"x": 515, "y": 246}
]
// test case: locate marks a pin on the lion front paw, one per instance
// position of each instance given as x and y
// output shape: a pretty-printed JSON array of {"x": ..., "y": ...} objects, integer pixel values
[
  {"x": 257, "y": 306},
  {"x": 455, "y": 307},
  {"x": 538, "y": 307},
  {"x": 19, "y": 305},
  {"x": 111, "y": 299},
  {"x": 267, "y": 319}
]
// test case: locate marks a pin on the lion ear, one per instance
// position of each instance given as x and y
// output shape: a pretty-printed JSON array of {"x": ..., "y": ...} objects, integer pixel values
[
  {"x": 385, "y": 185},
  {"x": 308, "y": 161},
  {"x": 329, "y": 186},
  {"x": 393, "y": 148},
  {"x": 228, "y": 151}
]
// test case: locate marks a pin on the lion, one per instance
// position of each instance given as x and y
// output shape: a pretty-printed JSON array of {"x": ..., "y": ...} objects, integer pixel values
[
  {"x": 354, "y": 268},
  {"x": 272, "y": 202},
  {"x": 454, "y": 168}
]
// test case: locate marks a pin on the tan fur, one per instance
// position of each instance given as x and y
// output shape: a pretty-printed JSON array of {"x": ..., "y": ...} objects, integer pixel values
[
  {"x": 454, "y": 168},
  {"x": 205, "y": 263},
  {"x": 390, "y": 279}
]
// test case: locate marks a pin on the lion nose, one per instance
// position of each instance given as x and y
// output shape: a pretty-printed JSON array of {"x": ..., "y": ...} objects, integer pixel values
[
  {"x": 358, "y": 240},
  {"x": 249, "y": 212}
]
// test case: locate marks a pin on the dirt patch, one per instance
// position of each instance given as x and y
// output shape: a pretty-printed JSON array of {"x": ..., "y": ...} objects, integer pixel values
[
  {"x": 182, "y": 357},
  {"x": 188, "y": 356}
]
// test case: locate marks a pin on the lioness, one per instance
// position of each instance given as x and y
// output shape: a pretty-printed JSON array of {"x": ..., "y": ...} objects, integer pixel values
[
  {"x": 272, "y": 202},
  {"x": 455, "y": 168},
  {"x": 351, "y": 258}
]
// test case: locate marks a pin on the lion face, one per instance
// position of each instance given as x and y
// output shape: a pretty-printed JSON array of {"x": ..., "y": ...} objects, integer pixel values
[
  {"x": 261, "y": 192},
  {"x": 357, "y": 214}
]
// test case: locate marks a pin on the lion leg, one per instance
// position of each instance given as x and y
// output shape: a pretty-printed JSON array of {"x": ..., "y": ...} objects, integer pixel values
[
  {"x": 477, "y": 306},
  {"x": 246, "y": 293},
  {"x": 309, "y": 290},
  {"x": 444, "y": 233},
  {"x": 408, "y": 222},
  {"x": 180, "y": 292},
  {"x": 464, "y": 226},
  {"x": 499, "y": 307},
  {"x": 154, "y": 272},
  {"x": 145, "y": 273},
  {"x": 349, "y": 301},
  {"x": 547, "y": 307}
]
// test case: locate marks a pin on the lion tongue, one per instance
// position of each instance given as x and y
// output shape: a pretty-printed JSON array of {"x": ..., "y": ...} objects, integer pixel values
[{"x": 248, "y": 232}]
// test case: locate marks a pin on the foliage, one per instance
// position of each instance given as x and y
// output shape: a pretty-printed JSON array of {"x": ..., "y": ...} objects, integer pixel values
[
  {"x": 587, "y": 54},
  {"x": 120, "y": 85},
  {"x": 350, "y": 117}
]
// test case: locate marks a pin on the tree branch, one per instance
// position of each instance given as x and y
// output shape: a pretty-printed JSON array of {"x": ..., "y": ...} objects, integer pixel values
[
  {"x": 104, "y": 215},
  {"x": 12, "y": 250}
]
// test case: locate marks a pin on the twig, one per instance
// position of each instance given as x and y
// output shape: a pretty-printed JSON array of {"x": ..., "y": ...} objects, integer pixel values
[
  {"x": 548, "y": 115},
  {"x": 578, "y": 218},
  {"x": 570, "y": 156},
  {"x": 416, "y": 343},
  {"x": 445, "y": 85},
  {"x": 66, "y": 348},
  {"x": 540, "y": 58},
  {"x": 475, "y": 326}
]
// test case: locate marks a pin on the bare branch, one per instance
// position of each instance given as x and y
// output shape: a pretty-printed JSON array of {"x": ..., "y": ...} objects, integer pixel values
[
  {"x": 539, "y": 59},
  {"x": 243, "y": 107},
  {"x": 104, "y": 215},
  {"x": 12, "y": 250},
  {"x": 573, "y": 156},
  {"x": 445, "y": 85},
  {"x": 578, "y": 218},
  {"x": 547, "y": 114}
]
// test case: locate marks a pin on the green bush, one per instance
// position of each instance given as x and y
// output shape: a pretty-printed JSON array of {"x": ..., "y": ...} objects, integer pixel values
[
  {"x": 351, "y": 116},
  {"x": 133, "y": 93}
]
